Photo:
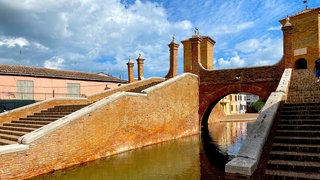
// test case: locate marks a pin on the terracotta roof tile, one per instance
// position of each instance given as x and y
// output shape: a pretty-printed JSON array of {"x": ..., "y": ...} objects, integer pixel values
[
  {"x": 304, "y": 11},
  {"x": 52, "y": 73}
]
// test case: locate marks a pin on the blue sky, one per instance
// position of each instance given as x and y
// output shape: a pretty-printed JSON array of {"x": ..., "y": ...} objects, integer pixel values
[{"x": 101, "y": 35}]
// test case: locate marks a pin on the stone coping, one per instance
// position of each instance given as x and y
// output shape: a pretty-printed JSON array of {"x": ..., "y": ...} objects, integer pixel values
[
  {"x": 250, "y": 152},
  {"x": 13, "y": 148}
]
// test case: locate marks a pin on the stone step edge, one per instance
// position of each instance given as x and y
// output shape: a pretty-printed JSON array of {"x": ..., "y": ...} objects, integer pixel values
[
  {"x": 294, "y": 163},
  {"x": 293, "y": 153},
  {"x": 292, "y": 174}
]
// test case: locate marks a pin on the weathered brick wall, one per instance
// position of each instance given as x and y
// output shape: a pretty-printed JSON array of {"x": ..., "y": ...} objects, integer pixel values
[{"x": 121, "y": 122}]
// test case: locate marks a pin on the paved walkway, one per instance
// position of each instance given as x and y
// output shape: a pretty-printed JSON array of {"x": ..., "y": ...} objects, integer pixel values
[{"x": 241, "y": 117}]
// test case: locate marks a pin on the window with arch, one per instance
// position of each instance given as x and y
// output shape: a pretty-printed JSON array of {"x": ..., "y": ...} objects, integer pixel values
[{"x": 301, "y": 64}]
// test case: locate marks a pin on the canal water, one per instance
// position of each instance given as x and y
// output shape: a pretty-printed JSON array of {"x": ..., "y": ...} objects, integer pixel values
[{"x": 195, "y": 157}]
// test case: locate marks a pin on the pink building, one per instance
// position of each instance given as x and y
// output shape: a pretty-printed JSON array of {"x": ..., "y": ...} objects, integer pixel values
[{"x": 22, "y": 82}]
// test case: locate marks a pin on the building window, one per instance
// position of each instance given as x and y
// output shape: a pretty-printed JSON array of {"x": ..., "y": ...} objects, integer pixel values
[
  {"x": 73, "y": 89},
  {"x": 25, "y": 89}
]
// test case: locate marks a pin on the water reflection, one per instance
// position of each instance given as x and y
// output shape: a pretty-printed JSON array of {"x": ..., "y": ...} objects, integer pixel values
[{"x": 186, "y": 158}]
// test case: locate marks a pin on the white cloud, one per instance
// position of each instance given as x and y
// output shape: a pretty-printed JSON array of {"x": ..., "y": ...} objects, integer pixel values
[
  {"x": 247, "y": 46},
  {"x": 54, "y": 63},
  {"x": 233, "y": 62},
  {"x": 274, "y": 28},
  {"x": 231, "y": 28},
  {"x": 13, "y": 42}
]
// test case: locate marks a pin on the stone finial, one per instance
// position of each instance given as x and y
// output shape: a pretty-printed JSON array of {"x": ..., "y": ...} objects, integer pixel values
[
  {"x": 140, "y": 56},
  {"x": 287, "y": 22},
  {"x": 196, "y": 32},
  {"x": 173, "y": 39}
]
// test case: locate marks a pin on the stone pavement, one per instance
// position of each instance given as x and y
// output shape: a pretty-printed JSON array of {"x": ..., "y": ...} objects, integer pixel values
[{"x": 241, "y": 117}]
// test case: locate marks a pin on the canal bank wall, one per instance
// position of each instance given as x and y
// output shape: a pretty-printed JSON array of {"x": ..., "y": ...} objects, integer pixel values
[{"x": 117, "y": 123}]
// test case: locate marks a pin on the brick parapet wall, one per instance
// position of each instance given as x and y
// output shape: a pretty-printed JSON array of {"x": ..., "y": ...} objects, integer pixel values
[{"x": 115, "y": 124}]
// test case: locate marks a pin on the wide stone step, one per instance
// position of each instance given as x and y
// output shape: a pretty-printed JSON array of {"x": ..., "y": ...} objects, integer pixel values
[
  {"x": 23, "y": 125},
  {"x": 301, "y": 116},
  {"x": 299, "y": 105},
  {"x": 301, "y": 112},
  {"x": 296, "y": 147},
  {"x": 299, "y": 108},
  {"x": 12, "y": 132},
  {"x": 295, "y": 156},
  {"x": 7, "y": 142},
  {"x": 299, "y": 121},
  {"x": 282, "y": 174},
  {"x": 303, "y": 133},
  {"x": 298, "y": 166},
  {"x": 38, "y": 119},
  {"x": 9, "y": 137},
  {"x": 31, "y": 122},
  {"x": 47, "y": 116},
  {"x": 22, "y": 129},
  {"x": 298, "y": 127},
  {"x": 297, "y": 140}
]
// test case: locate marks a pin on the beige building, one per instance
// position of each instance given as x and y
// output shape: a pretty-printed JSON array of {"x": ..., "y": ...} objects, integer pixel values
[{"x": 237, "y": 103}]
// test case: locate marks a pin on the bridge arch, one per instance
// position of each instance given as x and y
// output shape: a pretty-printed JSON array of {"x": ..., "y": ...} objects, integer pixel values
[{"x": 215, "y": 96}]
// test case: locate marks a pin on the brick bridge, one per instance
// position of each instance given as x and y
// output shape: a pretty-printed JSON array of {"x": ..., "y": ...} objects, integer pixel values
[
  {"x": 214, "y": 85},
  {"x": 300, "y": 50}
]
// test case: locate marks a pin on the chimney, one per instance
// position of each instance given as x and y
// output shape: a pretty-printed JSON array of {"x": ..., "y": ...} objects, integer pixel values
[
  {"x": 130, "y": 65},
  {"x": 140, "y": 67}
]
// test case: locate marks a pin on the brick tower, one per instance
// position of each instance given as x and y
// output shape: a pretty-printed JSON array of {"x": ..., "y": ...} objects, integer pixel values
[
  {"x": 198, "y": 49},
  {"x": 301, "y": 44}
]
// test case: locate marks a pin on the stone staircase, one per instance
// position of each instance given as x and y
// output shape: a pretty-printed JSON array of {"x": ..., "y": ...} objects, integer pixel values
[
  {"x": 295, "y": 150},
  {"x": 12, "y": 131},
  {"x": 141, "y": 88}
]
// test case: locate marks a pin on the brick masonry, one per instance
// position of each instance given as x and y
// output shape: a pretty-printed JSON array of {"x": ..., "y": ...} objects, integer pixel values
[{"x": 119, "y": 123}]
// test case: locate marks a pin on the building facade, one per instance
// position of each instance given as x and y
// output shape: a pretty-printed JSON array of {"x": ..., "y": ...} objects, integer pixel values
[
  {"x": 237, "y": 103},
  {"x": 31, "y": 83}
]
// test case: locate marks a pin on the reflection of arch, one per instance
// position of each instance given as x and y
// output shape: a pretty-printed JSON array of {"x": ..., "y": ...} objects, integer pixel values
[
  {"x": 301, "y": 64},
  {"x": 212, "y": 99}
]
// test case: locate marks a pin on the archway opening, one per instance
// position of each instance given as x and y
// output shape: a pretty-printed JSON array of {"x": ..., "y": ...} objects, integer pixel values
[
  {"x": 222, "y": 137},
  {"x": 301, "y": 64}
]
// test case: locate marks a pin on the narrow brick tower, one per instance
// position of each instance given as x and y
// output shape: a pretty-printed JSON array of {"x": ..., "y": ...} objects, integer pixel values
[
  {"x": 140, "y": 61},
  {"x": 173, "y": 71},
  {"x": 130, "y": 65},
  {"x": 301, "y": 39}
]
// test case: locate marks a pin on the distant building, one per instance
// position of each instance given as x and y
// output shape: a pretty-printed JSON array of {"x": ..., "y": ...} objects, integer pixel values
[
  {"x": 32, "y": 83},
  {"x": 237, "y": 103}
]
